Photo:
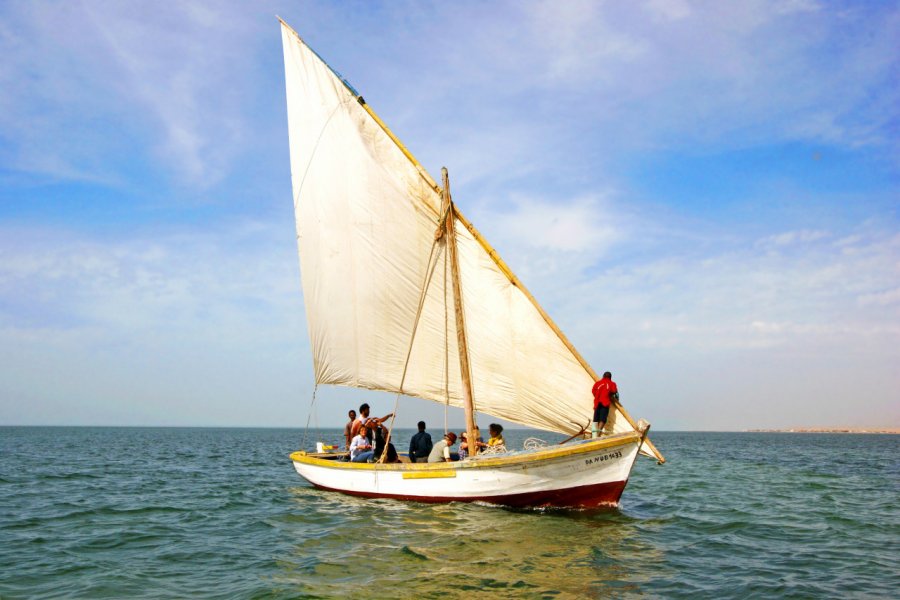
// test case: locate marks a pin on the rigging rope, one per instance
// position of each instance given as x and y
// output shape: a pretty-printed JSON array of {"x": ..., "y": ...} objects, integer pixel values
[
  {"x": 429, "y": 272},
  {"x": 312, "y": 411},
  {"x": 534, "y": 443},
  {"x": 446, "y": 349}
]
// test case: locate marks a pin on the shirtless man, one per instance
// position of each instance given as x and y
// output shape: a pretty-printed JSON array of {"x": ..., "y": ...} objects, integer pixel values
[
  {"x": 348, "y": 428},
  {"x": 364, "y": 419}
]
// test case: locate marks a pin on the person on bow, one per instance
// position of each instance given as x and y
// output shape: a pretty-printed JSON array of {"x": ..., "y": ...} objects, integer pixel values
[{"x": 605, "y": 393}]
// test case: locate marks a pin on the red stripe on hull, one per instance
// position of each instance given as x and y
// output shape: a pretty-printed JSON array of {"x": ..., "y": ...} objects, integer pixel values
[{"x": 604, "y": 495}]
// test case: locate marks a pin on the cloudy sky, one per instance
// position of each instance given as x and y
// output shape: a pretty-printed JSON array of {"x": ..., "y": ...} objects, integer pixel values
[{"x": 704, "y": 195}]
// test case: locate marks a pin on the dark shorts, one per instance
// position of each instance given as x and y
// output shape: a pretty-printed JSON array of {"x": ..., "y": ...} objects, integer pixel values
[{"x": 601, "y": 413}]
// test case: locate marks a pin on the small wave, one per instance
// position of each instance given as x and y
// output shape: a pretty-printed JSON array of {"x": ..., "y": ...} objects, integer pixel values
[
  {"x": 67, "y": 476},
  {"x": 407, "y": 551}
]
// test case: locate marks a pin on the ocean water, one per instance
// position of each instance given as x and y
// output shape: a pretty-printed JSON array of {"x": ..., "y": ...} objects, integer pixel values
[{"x": 220, "y": 513}]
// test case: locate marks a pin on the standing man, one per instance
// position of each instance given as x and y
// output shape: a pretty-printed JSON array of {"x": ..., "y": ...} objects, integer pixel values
[
  {"x": 605, "y": 393},
  {"x": 348, "y": 428},
  {"x": 420, "y": 445},
  {"x": 364, "y": 419}
]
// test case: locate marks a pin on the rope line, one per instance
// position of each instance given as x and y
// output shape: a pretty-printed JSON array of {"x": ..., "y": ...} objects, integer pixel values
[
  {"x": 312, "y": 411},
  {"x": 446, "y": 349},
  {"x": 429, "y": 272}
]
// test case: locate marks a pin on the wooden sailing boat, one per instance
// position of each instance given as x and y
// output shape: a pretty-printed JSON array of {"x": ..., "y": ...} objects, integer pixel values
[{"x": 404, "y": 295}]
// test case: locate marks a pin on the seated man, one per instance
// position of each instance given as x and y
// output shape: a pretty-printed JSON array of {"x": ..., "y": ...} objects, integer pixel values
[
  {"x": 381, "y": 436},
  {"x": 420, "y": 446},
  {"x": 441, "y": 451}
]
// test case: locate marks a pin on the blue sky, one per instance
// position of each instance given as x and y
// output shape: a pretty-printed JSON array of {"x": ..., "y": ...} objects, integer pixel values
[{"x": 704, "y": 195}]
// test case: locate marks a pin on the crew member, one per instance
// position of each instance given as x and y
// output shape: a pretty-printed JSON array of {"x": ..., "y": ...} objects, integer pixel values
[{"x": 605, "y": 393}]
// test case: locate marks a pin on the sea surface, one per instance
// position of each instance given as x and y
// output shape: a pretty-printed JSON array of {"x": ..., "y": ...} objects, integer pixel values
[{"x": 220, "y": 513}]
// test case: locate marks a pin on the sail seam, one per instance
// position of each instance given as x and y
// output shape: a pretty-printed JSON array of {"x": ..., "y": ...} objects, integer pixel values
[{"x": 312, "y": 155}]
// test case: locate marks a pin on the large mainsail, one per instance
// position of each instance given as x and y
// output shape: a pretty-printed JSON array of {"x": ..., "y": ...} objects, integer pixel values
[{"x": 366, "y": 216}]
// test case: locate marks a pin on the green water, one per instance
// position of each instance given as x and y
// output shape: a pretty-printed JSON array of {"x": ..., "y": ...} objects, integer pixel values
[{"x": 157, "y": 513}]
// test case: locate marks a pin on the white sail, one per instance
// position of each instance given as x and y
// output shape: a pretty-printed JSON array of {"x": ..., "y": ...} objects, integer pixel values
[{"x": 366, "y": 216}]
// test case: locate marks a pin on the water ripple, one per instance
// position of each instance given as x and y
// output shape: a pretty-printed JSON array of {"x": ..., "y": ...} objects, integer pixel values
[{"x": 208, "y": 513}]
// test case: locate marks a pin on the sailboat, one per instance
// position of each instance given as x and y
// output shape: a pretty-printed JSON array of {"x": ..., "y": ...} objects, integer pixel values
[{"x": 404, "y": 295}]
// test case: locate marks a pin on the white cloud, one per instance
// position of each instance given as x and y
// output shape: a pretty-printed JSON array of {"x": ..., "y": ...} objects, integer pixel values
[
  {"x": 885, "y": 298},
  {"x": 106, "y": 82},
  {"x": 161, "y": 317},
  {"x": 581, "y": 225},
  {"x": 707, "y": 291},
  {"x": 529, "y": 104},
  {"x": 672, "y": 10},
  {"x": 788, "y": 238}
]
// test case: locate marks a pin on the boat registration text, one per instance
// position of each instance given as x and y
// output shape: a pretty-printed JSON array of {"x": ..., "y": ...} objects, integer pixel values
[{"x": 604, "y": 458}]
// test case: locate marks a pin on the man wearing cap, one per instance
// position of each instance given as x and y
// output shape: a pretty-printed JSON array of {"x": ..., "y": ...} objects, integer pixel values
[{"x": 440, "y": 452}]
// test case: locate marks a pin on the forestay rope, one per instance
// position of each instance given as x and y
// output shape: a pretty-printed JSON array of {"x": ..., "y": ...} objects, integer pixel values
[{"x": 313, "y": 414}]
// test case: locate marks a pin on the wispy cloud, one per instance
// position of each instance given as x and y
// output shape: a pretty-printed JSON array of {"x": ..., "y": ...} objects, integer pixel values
[
  {"x": 90, "y": 86},
  {"x": 142, "y": 321},
  {"x": 709, "y": 290},
  {"x": 606, "y": 76},
  {"x": 545, "y": 113},
  {"x": 788, "y": 238}
]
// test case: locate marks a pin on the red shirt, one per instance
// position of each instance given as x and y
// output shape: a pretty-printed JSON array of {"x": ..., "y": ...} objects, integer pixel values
[{"x": 602, "y": 389}]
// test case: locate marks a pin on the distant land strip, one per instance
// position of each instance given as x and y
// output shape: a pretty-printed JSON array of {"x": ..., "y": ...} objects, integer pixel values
[{"x": 893, "y": 430}]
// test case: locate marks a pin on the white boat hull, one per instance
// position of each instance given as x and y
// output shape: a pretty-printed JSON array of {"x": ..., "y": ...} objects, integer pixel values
[{"x": 586, "y": 474}]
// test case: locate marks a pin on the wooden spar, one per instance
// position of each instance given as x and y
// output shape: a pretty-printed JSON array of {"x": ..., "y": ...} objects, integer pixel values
[
  {"x": 562, "y": 337},
  {"x": 465, "y": 372}
]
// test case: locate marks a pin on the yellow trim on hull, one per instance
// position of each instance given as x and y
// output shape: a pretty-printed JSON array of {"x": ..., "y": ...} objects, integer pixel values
[
  {"x": 428, "y": 474},
  {"x": 479, "y": 462}
]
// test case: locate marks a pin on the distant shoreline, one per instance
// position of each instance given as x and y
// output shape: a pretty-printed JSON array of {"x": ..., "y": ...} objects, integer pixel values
[{"x": 884, "y": 430}]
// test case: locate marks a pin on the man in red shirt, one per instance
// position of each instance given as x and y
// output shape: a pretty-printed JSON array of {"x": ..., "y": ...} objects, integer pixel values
[{"x": 605, "y": 393}]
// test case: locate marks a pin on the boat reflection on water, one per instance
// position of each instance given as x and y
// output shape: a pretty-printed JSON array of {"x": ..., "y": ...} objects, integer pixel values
[{"x": 343, "y": 542}]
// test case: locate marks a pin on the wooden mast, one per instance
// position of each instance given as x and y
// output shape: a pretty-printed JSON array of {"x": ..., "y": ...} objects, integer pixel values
[{"x": 465, "y": 372}]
